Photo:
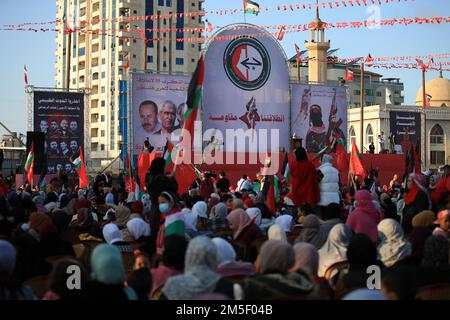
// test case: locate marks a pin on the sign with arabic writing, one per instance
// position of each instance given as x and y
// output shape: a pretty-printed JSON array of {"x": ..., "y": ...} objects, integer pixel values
[
  {"x": 158, "y": 105},
  {"x": 319, "y": 115},
  {"x": 406, "y": 129},
  {"x": 246, "y": 88},
  {"x": 60, "y": 115}
]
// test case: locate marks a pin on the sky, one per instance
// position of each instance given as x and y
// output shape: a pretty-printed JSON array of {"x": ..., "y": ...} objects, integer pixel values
[{"x": 36, "y": 50}]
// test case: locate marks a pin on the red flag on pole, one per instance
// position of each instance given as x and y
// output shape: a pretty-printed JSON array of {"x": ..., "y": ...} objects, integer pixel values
[
  {"x": 25, "y": 74},
  {"x": 349, "y": 74},
  {"x": 130, "y": 184},
  {"x": 356, "y": 167}
]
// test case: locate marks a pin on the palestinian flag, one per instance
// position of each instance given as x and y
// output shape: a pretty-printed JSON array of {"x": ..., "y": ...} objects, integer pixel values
[
  {"x": 130, "y": 184},
  {"x": 81, "y": 170},
  {"x": 356, "y": 167},
  {"x": 174, "y": 224},
  {"x": 428, "y": 100},
  {"x": 251, "y": 7},
  {"x": 282, "y": 33},
  {"x": 29, "y": 165},
  {"x": 194, "y": 98},
  {"x": 167, "y": 156}
]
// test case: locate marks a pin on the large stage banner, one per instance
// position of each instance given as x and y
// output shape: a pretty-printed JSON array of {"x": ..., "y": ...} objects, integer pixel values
[
  {"x": 246, "y": 92},
  {"x": 60, "y": 115},
  {"x": 158, "y": 106},
  {"x": 406, "y": 128},
  {"x": 319, "y": 115}
]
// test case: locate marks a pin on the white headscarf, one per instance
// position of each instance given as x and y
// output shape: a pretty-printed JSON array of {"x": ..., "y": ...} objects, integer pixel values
[
  {"x": 225, "y": 251},
  {"x": 254, "y": 212},
  {"x": 393, "y": 246},
  {"x": 190, "y": 219},
  {"x": 276, "y": 233},
  {"x": 200, "y": 274},
  {"x": 285, "y": 222},
  {"x": 335, "y": 248},
  {"x": 111, "y": 233},
  {"x": 138, "y": 228},
  {"x": 200, "y": 208}
]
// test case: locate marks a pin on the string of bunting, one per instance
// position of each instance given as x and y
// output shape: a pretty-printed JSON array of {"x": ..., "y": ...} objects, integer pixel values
[
  {"x": 279, "y": 8},
  {"x": 287, "y": 28}
]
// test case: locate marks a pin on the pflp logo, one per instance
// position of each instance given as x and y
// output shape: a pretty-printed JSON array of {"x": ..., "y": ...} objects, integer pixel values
[{"x": 247, "y": 63}]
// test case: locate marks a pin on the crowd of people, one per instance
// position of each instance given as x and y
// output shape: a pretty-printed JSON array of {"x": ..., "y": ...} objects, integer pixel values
[{"x": 225, "y": 240}]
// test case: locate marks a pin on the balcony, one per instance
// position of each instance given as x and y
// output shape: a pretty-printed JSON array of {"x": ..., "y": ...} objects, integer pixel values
[
  {"x": 94, "y": 133},
  {"x": 94, "y": 104}
]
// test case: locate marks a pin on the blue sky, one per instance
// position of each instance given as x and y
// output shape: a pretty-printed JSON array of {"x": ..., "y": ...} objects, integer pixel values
[{"x": 36, "y": 50}]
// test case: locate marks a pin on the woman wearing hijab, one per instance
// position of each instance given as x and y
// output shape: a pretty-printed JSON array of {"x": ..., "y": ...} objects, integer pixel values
[
  {"x": 433, "y": 182},
  {"x": 365, "y": 218},
  {"x": 140, "y": 232},
  {"x": 108, "y": 276},
  {"x": 313, "y": 231},
  {"x": 285, "y": 222},
  {"x": 200, "y": 209},
  {"x": 218, "y": 216},
  {"x": 416, "y": 200},
  {"x": 244, "y": 229},
  {"x": 172, "y": 263},
  {"x": 112, "y": 236},
  {"x": 200, "y": 274},
  {"x": 393, "y": 246},
  {"x": 228, "y": 267},
  {"x": 335, "y": 249},
  {"x": 10, "y": 287},
  {"x": 304, "y": 181},
  {"x": 275, "y": 232},
  {"x": 435, "y": 267},
  {"x": 273, "y": 280}
]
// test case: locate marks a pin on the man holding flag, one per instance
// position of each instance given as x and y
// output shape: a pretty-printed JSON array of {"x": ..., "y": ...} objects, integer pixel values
[{"x": 81, "y": 170}]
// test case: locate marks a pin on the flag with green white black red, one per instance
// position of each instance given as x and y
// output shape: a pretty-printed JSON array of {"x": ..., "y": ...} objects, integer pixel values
[
  {"x": 251, "y": 7},
  {"x": 130, "y": 184},
  {"x": 78, "y": 162},
  {"x": 167, "y": 156},
  {"x": 29, "y": 164},
  {"x": 174, "y": 224},
  {"x": 356, "y": 166}
]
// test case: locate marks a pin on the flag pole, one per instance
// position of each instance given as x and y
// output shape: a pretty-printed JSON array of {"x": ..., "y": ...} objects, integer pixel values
[
  {"x": 298, "y": 69},
  {"x": 424, "y": 115},
  {"x": 362, "y": 98}
]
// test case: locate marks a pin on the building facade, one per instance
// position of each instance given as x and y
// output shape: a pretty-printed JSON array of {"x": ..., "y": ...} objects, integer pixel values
[{"x": 98, "y": 56}]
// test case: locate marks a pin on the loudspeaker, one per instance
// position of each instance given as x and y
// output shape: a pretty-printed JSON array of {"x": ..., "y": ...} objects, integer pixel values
[{"x": 39, "y": 146}]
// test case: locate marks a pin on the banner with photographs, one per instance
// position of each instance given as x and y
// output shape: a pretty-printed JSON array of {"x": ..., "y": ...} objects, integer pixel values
[
  {"x": 60, "y": 115},
  {"x": 158, "y": 106},
  {"x": 405, "y": 128},
  {"x": 319, "y": 115},
  {"x": 246, "y": 92}
]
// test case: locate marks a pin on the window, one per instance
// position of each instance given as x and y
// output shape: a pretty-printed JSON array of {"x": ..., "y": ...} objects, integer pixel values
[
  {"x": 81, "y": 51},
  {"x": 134, "y": 11},
  {"x": 95, "y": 76},
  {"x": 193, "y": 60},
  {"x": 103, "y": 75},
  {"x": 102, "y": 133},
  {"x": 102, "y": 118},
  {"x": 179, "y": 46},
  {"x": 179, "y": 61},
  {"x": 357, "y": 92},
  {"x": 103, "y": 103},
  {"x": 164, "y": 49},
  {"x": 352, "y": 135},
  {"x": 74, "y": 68},
  {"x": 103, "y": 60},
  {"x": 379, "y": 94},
  {"x": 161, "y": 3},
  {"x": 437, "y": 135},
  {"x": 437, "y": 157},
  {"x": 369, "y": 134},
  {"x": 193, "y": 45},
  {"x": 81, "y": 79},
  {"x": 149, "y": 59},
  {"x": 103, "y": 90},
  {"x": 102, "y": 147},
  {"x": 74, "y": 81},
  {"x": 134, "y": 56},
  {"x": 164, "y": 64},
  {"x": 168, "y": 3}
]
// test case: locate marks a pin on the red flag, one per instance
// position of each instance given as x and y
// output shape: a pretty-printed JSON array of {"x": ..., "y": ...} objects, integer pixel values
[
  {"x": 341, "y": 154},
  {"x": 25, "y": 74},
  {"x": 428, "y": 100},
  {"x": 356, "y": 167},
  {"x": 270, "y": 200},
  {"x": 369, "y": 61},
  {"x": 282, "y": 32},
  {"x": 349, "y": 74},
  {"x": 144, "y": 162},
  {"x": 81, "y": 170},
  {"x": 297, "y": 50},
  {"x": 185, "y": 174}
]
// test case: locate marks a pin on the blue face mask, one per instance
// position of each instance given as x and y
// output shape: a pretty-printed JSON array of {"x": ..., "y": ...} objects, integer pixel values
[{"x": 164, "y": 207}]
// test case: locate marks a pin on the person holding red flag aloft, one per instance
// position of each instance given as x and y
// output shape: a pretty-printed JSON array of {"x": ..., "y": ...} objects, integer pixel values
[
  {"x": 443, "y": 187},
  {"x": 303, "y": 177}
]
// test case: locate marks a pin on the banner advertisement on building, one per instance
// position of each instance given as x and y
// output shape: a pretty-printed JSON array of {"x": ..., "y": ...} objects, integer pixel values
[
  {"x": 60, "y": 115},
  {"x": 158, "y": 106},
  {"x": 246, "y": 92},
  {"x": 405, "y": 127},
  {"x": 319, "y": 115}
]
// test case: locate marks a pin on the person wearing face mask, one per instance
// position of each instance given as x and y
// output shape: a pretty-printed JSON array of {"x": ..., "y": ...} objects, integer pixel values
[{"x": 171, "y": 219}]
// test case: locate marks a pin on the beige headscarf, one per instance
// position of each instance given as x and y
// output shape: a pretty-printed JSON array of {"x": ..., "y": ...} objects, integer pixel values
[
  {"x": 238, "y": 220},
  {"x": 306, "y": 258},
  {"x": 276, "y": 257},
  {"x": 423, "y": 219}
]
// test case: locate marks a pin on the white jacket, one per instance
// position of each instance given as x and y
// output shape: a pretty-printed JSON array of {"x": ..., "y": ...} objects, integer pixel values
[{"x": 329, "y": 185}]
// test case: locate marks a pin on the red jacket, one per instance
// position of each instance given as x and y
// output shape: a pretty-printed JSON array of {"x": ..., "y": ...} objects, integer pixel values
[{"x": 304, "y": 182}]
